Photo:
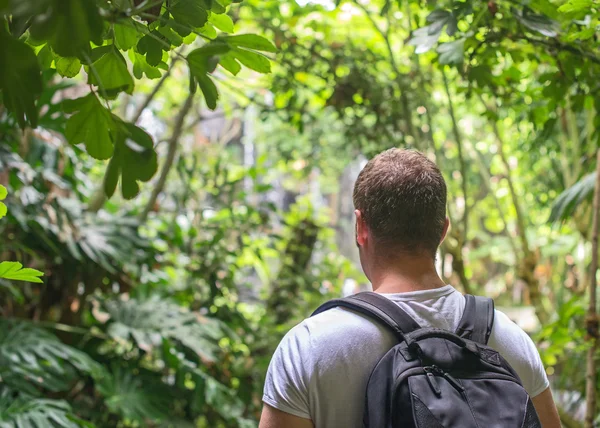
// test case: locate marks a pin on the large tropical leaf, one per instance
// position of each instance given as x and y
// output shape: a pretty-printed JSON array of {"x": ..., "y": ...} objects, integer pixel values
[
  {"x": 22, "y": 411},
  {"x": 147, "y": 322},
  {"x": 137, "y": 397},
  {"x": 568, "y": 201},
  {"x": 32, "y": 357}
]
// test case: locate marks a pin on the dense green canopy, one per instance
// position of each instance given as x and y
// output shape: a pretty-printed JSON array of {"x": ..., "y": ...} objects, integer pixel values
[{"x": 179, "y": 233}]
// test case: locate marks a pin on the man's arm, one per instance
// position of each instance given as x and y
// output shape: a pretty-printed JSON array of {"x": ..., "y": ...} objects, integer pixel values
[
  {"x": 546, "y": 409},
  {"x": 273, "y": 418}
]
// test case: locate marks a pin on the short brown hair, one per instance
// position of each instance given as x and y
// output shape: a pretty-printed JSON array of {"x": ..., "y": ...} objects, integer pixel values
[{"x": 402, "y": 197}]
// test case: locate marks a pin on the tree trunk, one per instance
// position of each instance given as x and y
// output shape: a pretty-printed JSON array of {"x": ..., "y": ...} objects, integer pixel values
[{"x": 592, "y": 317}]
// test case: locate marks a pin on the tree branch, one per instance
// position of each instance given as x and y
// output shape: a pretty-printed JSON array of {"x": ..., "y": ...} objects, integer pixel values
[
  {"x": 385, "y": 35},
  {"x": 461, "y": 158},
  {"x": 562, "y": 46},
  {"x": 151, "y": 95},
  {"x": 173, "y": 143},
  {"x": 592, "y": 316}
]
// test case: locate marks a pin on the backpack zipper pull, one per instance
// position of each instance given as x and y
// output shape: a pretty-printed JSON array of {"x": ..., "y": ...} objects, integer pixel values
[
  {"x": 432, "y": 382},
  {"x": 453, "y": 382}
]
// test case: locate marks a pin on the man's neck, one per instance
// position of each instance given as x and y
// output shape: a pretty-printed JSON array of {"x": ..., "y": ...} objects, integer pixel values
[{"x": 407, "y": 275}]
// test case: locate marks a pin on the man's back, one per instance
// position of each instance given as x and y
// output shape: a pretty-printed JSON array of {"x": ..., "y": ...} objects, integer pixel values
[{"x": 321, "y": 368}]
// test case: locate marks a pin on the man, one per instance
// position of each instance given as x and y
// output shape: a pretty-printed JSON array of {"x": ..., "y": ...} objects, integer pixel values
[{"x": 319, "y": 372}]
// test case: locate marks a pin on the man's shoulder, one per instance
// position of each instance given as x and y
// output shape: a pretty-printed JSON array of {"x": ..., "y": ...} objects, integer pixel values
[{"x": 338, "y": 329}]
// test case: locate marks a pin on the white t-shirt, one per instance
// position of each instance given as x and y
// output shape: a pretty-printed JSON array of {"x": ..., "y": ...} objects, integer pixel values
[{"x": 321, "y": 367}]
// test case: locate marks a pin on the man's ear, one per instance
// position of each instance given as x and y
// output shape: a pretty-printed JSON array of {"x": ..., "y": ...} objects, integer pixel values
[
  {"x": 445, "y": 231},
  {"x": 362, "y": 232}
]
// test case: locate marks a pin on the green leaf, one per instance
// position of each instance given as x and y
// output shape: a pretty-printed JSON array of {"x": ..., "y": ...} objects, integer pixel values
[
  {"x": 152, "y": 48},
  {"x": 134, "y": 160},
  {"x": 31, "y": 357},
  {"x": 229, "y": 63},
  {"x": 171, "y": 36},
  {"x": 452, "y": 52},
  {"x": 222, "y": 22},
  {"x": 91, "y": 125},
  {"x": 20, "y": 78},
  {"x": 68, "y": 67},
  {"x": 211, "y": 94},
  {"x": 189, "y": 13},
  {"x": 251, "y": 41},
  {"x": 126, "y": 35},
  {"x": 252, "y": 60},
  {"x": 21, "y": 410},
  {"x": 537, "y": 22},
  {"x": 110, "y": 74},
  {"x": 134, "y": 396},
  {"x": 574, "y": 6},
  {"x": 69, "y": 26},
  {"x": 141, "y": 67},
  {"x": 3, "y": 194},
  {"x": 16, "y": 272},
  {"x": 569, "y": 200}
]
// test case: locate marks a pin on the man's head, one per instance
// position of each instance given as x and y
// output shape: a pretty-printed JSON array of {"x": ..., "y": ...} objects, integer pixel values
[{"x": 400, "y": 203}]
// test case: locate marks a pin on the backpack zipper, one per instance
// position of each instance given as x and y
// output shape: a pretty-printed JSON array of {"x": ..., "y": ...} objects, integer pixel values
[{"x": 431, "y": 371}]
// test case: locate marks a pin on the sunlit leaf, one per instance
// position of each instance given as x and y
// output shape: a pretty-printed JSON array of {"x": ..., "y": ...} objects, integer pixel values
[{"x": 16, "y": 272}]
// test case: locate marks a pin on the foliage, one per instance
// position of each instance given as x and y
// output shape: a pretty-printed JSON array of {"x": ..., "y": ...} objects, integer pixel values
[
  {"x": 170, "y": 318},
  {"x": 568, "y": 201},
  {"x": 93, "y": 36}
]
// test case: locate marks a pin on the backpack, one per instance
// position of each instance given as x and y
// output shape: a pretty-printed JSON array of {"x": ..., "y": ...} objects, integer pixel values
[{"x": 434, "y": 378}]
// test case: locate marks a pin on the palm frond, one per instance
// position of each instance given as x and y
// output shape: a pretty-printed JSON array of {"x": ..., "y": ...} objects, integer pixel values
[
  {"x": 31, "y": 357},
  {"x": 567, "y": 202},
  {"x": 22, "y": 411},
  {"x": 147, "y": 322}
]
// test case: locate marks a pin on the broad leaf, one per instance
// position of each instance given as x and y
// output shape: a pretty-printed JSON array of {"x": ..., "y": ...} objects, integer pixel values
[
  {"x": 189, "y": 14},
  {"x": 91, "y": 125},
  {"x": 576, "y": 6},
  {"x": 20, "y": 78},
  {"x": 141, "y": 67},
  {"x": 251, "y": 41},
  {"x": 126, "y": 35},
  {"x": 223, "y": 22},
  {"x": 68, "y": 67},
  {"x": 3, "y": 194},
  {"x": 110, "y": 74},
  {"x": 19, "y": 410},
  {"x": 252, "y": 60},
  {"x": 426, "y": 37},
  {"x": 16, "y": 272},
  {"x": 151, "y": 47},
  {"x": 211, "y": 94},
  {"x": 452, "y": 52},
  {"x": 134, "y": 397},
  {"x": 31, "y": 357},
  {"x": 229, "y": 63},
  {"x": 147, "y": 322},
  {"x": 537, "y": 22},
  {"x": 568, "y": 201},
  {"x": 134, "y": 160},
  {"x": 69, "y": 26}
]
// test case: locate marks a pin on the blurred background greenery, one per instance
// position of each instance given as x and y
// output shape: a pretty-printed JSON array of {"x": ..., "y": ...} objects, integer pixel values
[{"x": 162, "y": 301}]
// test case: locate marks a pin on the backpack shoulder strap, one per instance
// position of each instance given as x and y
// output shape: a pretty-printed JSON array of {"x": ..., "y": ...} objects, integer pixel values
[
  {"x": 477, "y": 320},
  {"x": 378, "y": 308}
]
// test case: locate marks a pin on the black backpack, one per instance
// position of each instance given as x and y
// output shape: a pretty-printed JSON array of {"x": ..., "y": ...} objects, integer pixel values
[{"x": 435, "y": 378}]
